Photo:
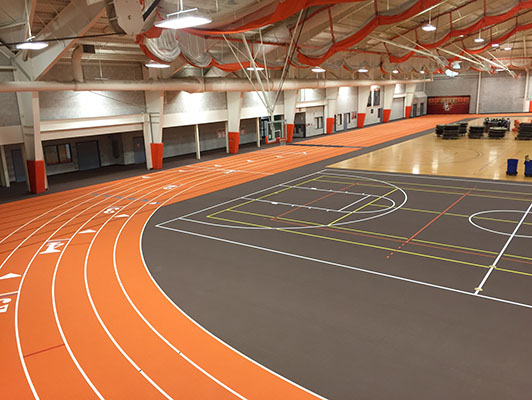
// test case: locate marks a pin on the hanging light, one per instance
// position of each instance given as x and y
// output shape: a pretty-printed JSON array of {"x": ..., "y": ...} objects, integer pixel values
[
  {"x": 183, "y": 19},
  {"x": 363, "y": 69},
  {"x": 156, "y": 65},
  {"x": 507, "y": 48},
  {"x": 395, "y": 71},
  {"x": 479, "y": 39},
  {"x": 428, "y": 27},
  {"x": 495, "y": 45},
  {"x": 29, "y": 44},
  {"x": 255, "y": 68},
  {"x": 317, "y": 69},
  {"x": 422, "y": 72}
]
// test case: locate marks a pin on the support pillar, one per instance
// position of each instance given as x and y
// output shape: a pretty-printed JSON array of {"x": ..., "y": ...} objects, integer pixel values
[
  {"x": 290, "y": 100},
  {"x": 197, "y": 141},
  {"x": 409, "y": 98},
  {"x": 4, "y": 176},
  {"x": 388, "y": 92},
  {"x": 31, "y": 131},
  {"x": 234, "y": 108},
  {"x": 258, "y": 132},
  {"x": 153, "y": 129},
  {"x": 477, "y": 108},
  {"x": 362, "y": 105},
  {"x": 331, "y": 94}
]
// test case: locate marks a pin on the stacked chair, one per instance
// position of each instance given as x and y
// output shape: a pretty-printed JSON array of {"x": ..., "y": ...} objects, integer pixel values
[
  {"x": 463, "y": 128},
  {"x": 524, "y": 131},
  {"x": 497, "y": 132},
  {"x": 451, "y": 131},
  {"x": 476, "y": 132},
  {"x": 439, "y": 130}
]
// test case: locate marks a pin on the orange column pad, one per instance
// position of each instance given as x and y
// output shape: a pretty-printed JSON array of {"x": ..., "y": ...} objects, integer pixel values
[
  {"x": 36, "y": 175},
  {"x": 408, "y": 111},
  {"x": 234, "y": 139},
  {"x": 360, "y": 120},
  {"x": 289, "y": 133},
  {"x": 386, "y": 115},
  {"x": 529, "y": 106},
  {"x": 330, "y": 126},
  {"x": 157, "y": 155}
]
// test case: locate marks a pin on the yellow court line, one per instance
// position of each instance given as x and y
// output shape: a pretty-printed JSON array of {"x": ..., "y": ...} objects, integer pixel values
[
  {"x": 260, "y": 198},
  {"x": 361, "y": 244},
  {"x": 432, "y": 191},
  {"x": 377, "y": 234},
  {"x": 440, "y": 186},
  {"x": 365, "y": 205}
]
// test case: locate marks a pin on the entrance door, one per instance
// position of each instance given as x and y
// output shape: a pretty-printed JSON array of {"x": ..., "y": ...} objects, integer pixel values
[
  {"x": 414, "y": 110},
  {"x": 347, "y": 120},
  {"x": 88, "y": 155},
  {"x": 138, "y": 149},
  {"x": 18, "y": 165}
]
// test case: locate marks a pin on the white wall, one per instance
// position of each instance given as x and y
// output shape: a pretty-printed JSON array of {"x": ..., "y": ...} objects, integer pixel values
[{"x": 346, "y": 103}]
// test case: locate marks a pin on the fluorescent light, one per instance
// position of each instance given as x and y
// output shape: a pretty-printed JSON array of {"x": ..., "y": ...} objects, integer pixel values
[
  {"x": 317, "y": 69},
  {"x": 182, "y": 19},
  {"x": 255, "y": 68},
  {"x": 152, "y": 64},
  {"x": 29, "y": 45},
  {"x": 395, "y": 71},
  {"x": 422, "y": 72},
  {"x": 460, "y": 35},
  {"x": 507, "y": 48},
  {"x": 479, "y": 40},
  {"x": 495, "y": 45},
  {"x": 499, "y": 69},
  {"x": 363, "y": 69},
  {"x": 428, "y": 27}
]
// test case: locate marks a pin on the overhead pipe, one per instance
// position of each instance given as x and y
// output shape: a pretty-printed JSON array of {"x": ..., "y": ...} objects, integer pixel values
[
  {"x": 77, "y": 69},
  {"x": 192, "y": 85}
]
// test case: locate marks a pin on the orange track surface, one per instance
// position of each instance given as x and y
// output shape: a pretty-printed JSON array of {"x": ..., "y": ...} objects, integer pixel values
[{"x": 85, "y": 319}]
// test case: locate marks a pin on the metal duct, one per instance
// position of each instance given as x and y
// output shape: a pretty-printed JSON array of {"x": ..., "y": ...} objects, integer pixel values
[
  {"x": 77, "y": 70},
  {"x": 192, "y": 85}
]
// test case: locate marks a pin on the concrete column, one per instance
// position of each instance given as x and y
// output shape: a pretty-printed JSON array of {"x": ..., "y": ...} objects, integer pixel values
[
  {"x": 331, "y": 94},
  {"x": 31, "y": 131},
  {"x": 362, "y": 104},
  {"x": 234, "y": 109},
  {"x": 387, "y": 100},
  {"x": 4, "y": 176},
  {"x": 154, "y": 144},
  {"x": 197, "y": 141},
  {"x": 290, "y": 100},
  {"x": 258, "y": 132},
  {"x": 409, "y": 98},
  {"x": 146, "y": 131}
]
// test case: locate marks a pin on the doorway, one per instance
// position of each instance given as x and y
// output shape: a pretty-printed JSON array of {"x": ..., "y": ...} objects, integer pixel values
[
  {"x": 18, "y": 165},
  {"x": 138, "y": 150},
  {"x": 88, "y": 155}
]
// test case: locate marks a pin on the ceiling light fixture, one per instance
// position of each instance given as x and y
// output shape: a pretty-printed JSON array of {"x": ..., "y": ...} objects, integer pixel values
[
  {"x": 29, "y": 44},
  {"x": 428, "y": 27},
  {"x": 153, "y": 64},
  {"x": 395, "y": 71},
  {"x": 422, "y": 72},
  {"x": 183, "y": 19},
  {"x": 317, "y": 69},
  {"x": 363, "y": 69},
  {"x": 507, "y": 48},
  {"x": 479, "y": 39},
  {"x": 250, "y": 68},
  {"x": 495, "y": 45}
]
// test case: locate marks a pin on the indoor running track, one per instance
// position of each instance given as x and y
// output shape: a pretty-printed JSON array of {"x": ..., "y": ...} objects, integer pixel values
[{"x": 80, "y": 316}]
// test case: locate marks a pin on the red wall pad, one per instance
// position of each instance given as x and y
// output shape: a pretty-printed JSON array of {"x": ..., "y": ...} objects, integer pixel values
[
  {"x": 330, "y": 126},
  {"x": 361, "y": 117},
  {"x": 289, "y": 133},
  {"x": 386, "y": 115},
  {"x": 234, "y": 139},
  {"x": 156, "y": 155},
  {"x": 36, "y": 175},
  {"x": 408, "y": 111}
]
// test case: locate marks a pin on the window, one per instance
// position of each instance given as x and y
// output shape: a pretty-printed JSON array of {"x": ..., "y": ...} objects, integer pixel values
[
  {"x": 376, "y": 97},
  {"x": 339, "y": 119},
  {"x": 348, "y": 118},
  {"x": 319, "y": 122},
  {"x": 57, "y": 154}
]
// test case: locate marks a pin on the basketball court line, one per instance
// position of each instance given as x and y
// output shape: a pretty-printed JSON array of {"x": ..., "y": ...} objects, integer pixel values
[
  {"x": 494, "y": 264},
  {"x": 339, "y": 265}
]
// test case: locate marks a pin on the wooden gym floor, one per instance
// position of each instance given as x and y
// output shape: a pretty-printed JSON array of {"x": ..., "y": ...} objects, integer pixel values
[{"x": 271, "y": 275}]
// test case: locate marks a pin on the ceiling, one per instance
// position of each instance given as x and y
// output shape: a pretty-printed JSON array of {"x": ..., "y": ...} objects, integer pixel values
[{"x": 342, "y": 36}]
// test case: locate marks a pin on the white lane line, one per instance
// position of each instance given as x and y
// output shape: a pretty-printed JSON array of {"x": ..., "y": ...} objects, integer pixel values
[
  {"x": 292, "y": 205},
  {"x": 335, "y": 264},
  {"x": 8, "y": 294},
  {"x": 353, "y": 203},
  {"x": 478, "y": 289},
  {"x": 230, "y": 170},
  {"x": 17, "y": 302},
  {"x": 139, "y": 313}
]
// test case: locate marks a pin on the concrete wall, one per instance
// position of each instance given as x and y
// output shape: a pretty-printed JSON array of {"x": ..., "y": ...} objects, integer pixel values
[
  {"x": 461, "y": 85},
  {"x": 346, "y": 103},
  {"x": 9, "y": 114},
  {"x": 70, "y": 104}
]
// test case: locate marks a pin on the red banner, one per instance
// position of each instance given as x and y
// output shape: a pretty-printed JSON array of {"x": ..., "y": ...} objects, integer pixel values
[{"x": 448, "y": 104}]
